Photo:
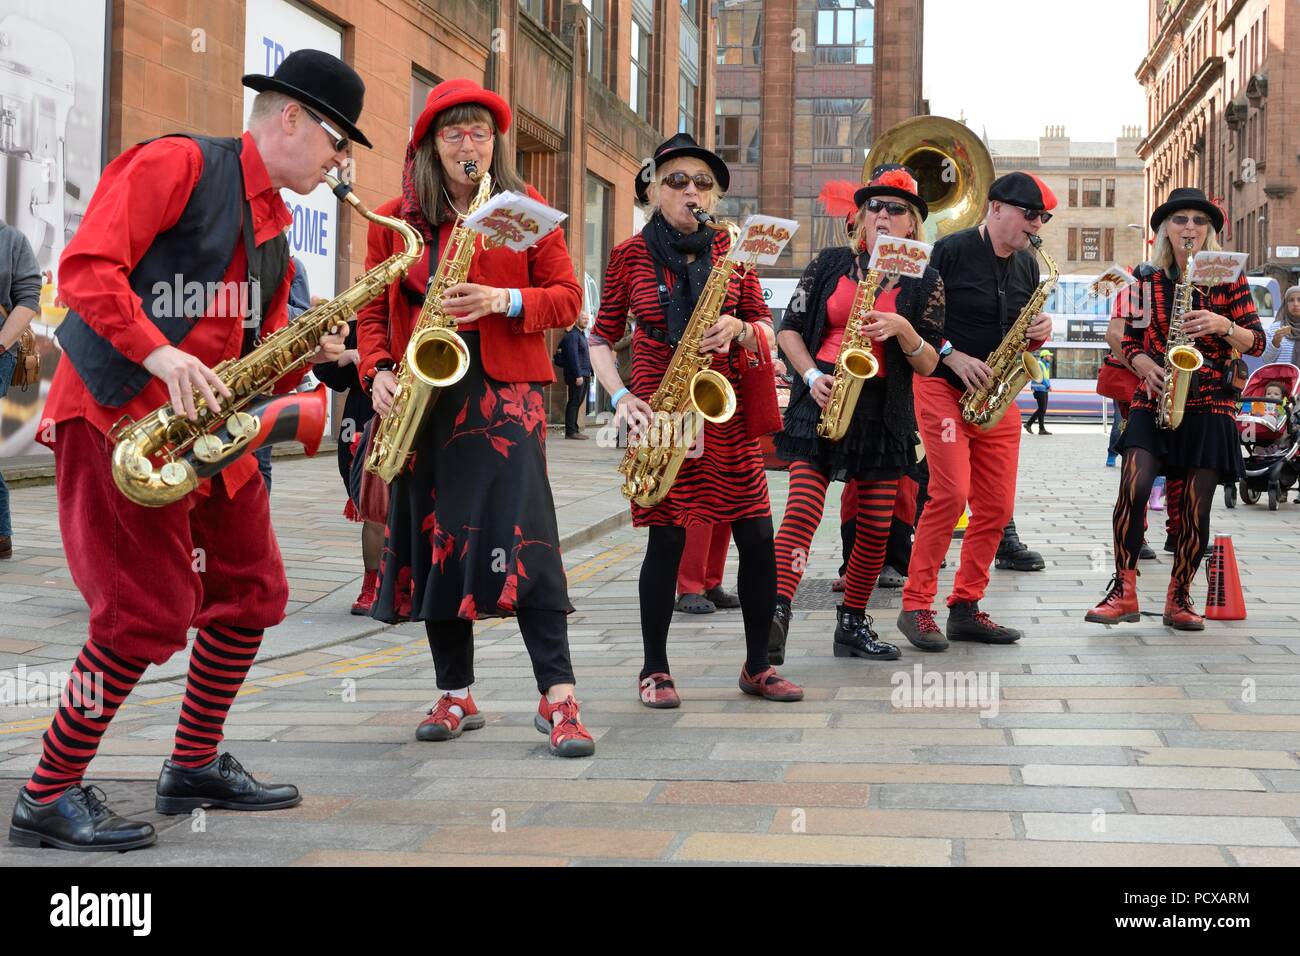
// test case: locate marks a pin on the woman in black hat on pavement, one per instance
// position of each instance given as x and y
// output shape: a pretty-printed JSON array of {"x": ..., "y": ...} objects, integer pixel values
[
  {"x": 906, "y": 329},
  {"x": 1203, "y": 450},
  {"x": 657, "y": 276}
]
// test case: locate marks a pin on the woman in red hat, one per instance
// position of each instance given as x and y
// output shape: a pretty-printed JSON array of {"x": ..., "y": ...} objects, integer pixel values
[
  {"x": 1203, "y": 450},
  {"x": 906, "y": 328},
  {"x": 657, "y": 277},
  {"x": 471, "y": 523}
]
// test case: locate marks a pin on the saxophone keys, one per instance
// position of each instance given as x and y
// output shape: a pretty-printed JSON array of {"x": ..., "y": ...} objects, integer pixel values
[
  {"x": 139, "y": 467},
  {"x": 208, "y": 448},
  {"x": 242, "y": 425},
  {"x": 173, "y": 474}
]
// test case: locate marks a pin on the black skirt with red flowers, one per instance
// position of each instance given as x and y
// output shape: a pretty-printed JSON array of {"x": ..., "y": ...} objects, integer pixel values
[{"x": 471, "y": 522}]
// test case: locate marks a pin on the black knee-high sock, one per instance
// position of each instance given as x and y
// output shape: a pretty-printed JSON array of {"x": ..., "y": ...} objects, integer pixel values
[
  {"x": 756, "y": 586},
  {"x": 658, "y": 589},
  {"x": 1136, "y": 478}
]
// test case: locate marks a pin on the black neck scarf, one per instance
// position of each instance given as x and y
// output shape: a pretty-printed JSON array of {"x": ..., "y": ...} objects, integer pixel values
[{"x": 669, "y": 248}]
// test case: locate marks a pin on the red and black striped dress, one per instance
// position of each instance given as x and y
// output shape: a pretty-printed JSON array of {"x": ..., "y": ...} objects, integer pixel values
[{"x": 726, "y": 482}]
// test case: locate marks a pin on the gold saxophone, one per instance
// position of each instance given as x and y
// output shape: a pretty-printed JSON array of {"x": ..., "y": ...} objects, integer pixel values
[
  {"x": 1182, "y": 358},
  {"x": 1011, "y": 365},
  {"x": 854, "y": 364},
  {"x": 188, "y": 452},
  {"x": 690, "y": 393},
  {"x": 436, "y": 357}
]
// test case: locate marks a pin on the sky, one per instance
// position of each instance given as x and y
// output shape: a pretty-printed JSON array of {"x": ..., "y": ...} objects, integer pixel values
[{"x": 1072, "y": 65}]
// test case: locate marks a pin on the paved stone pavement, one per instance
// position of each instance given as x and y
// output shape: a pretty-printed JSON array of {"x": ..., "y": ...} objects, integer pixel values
[{"x": 1136, "y": 745}]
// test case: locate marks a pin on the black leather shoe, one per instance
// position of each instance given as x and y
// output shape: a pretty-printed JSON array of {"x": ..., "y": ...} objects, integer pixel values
[
  {"x": 223, "y": 784},
  {"x": 855, "y": 638},
  {"x": 776, "y": 637},
  {"x": 966, "y": 622},
  {"x": 78, "y": 820},
  {"x": 723, "y": 600},
  {"x": 1171, "y": 544}
]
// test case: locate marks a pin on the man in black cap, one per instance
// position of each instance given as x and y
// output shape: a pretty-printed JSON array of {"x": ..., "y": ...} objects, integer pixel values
[
  {"x": 989, "y": 273},
  {"x": 176, "y": 213}
]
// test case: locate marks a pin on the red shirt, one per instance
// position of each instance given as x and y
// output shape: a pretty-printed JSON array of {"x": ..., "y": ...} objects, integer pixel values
[
  {"x": 142, "y": 194},
  {"x": 838, "y": 307}
]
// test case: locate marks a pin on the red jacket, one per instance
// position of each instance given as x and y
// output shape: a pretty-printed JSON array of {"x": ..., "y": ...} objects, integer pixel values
[{"x": 514, "y": 350}]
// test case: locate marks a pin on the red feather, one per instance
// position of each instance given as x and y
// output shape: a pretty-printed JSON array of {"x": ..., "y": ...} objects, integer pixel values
[{"x": 836, "y": 197}]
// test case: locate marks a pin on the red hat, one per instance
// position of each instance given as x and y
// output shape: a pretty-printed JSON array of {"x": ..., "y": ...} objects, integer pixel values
[{"x": 455, "y": 92}]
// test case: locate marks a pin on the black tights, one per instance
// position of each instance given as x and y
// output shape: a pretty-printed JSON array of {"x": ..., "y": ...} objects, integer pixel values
[
  {"x": 755, "y": 583},
  {"x": 1139, "y": 474}
]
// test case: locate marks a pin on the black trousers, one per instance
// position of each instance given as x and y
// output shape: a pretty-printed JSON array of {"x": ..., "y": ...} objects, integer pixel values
[
  {"x": 577, "y": 403},
  {"x": 1041, "y": 414},
  {"x": 546, "y": 635}
]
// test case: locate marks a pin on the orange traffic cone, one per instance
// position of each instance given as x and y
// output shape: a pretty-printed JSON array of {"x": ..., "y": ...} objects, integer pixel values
[{"x": 1224, "y": 601}]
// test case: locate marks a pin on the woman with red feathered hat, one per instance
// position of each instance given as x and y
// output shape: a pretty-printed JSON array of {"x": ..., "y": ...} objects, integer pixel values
[
  {"x": 906, "y": 329},
  {"x": 471, "y": 521}
]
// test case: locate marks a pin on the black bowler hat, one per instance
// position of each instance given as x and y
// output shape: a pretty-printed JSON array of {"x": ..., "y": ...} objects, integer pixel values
[
  {"x": 893, "y": 179},
  {"x": 1187, "y": 198},
  {"x": 320, "y": 82},
  {"x": 1024, "y": 190},
  {"x": 683, "y": 144}
]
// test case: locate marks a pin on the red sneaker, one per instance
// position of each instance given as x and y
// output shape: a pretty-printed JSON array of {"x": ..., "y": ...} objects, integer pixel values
[
  {"x": 770, "y": 685},
  {"x": 1120, "y": 605},
  {"x": 568, "y": 737},
  {"x": 369, "y": 591},
  {"x": 658, "y": 691},
  {"x": 443, "y": 724},
  {"x": 1180, "y": 613}
]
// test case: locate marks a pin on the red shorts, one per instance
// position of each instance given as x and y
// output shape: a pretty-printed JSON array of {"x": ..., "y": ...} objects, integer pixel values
[{"x": 150, "y": 574}]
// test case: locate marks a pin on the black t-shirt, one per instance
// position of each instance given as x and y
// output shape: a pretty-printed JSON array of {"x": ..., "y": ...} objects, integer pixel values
[{"x": 983, "y": 293}]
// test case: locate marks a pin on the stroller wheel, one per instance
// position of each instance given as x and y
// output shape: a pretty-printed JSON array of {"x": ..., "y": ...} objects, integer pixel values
[
  {"x": 1247, "y": 494},
  {"x": 1230, "y": 495},
  {"x": 1272, "y": 497}
]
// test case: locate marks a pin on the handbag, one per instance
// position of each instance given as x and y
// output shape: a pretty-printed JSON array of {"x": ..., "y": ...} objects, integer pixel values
[
  {"x": 758, "y": 391},
  {"x": 1116, "y": 381},
  {"x": 27, "y": 370},
  {"x": 368, "y": 491}
]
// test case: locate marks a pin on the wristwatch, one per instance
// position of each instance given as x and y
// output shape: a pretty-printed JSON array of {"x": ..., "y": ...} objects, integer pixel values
[
  {"x": 945, "y": 349},
  {"x": 383, "y": 365}
]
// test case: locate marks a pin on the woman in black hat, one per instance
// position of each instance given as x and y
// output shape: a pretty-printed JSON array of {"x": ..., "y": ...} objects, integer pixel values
[
  {"x": 906, "y": 329},
  {"x": 657, "y": 276},
  {"x": 1203, "y": 450}
]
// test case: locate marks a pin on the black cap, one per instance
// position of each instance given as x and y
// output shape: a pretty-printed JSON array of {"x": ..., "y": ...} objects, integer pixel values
[
  {"x": 1024, "y": 190},
  {"x": 322, "y": 83},
  {"x": 1187, "y": 197},
  {"x": 683, "y": 144}
]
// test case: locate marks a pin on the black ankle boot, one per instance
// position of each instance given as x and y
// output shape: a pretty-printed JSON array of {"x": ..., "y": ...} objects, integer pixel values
[
  {"x": 966, "y": 622},
  {"x": 78, "y": 820},
  {"x": 223, "y": 784},
  {"x": 855, "y": 638},
  {"x": 1014, "y": 555},
  {"x": 776, "y": 637}
]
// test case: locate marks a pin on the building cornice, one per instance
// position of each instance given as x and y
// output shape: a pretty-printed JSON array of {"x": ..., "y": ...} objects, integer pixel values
[
  {"x": 1209, "y": 72},
  {"x": 1178, "y": 17}
]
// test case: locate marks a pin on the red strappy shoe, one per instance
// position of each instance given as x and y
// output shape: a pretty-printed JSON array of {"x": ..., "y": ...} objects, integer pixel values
[
  {"x": 443, "y": 724},
  {"x": 568, "y": 737},
  {"x": 770, "y": 685},
  {"x": 658, "y": 691}
]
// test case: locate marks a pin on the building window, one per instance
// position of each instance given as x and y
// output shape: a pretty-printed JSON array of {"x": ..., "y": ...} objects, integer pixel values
[
  {"x": 1074, "y": 192},
  {"x": 831, "y": 130},
  {"x": 1110, "y": 194},
  {"x": 841, "y": 31},
  {"x": 740, "y": 34},
  {"x": 596, "y": 37},
  {"x": 1072, "y": 245},
  {"x": 737, "y": 130},
  {"x": 1091, "y": 192},
  {"x": 595, "y": 248},
  {"x": 422, "y": 85},
  {"x": 686, "y": 97},
  {"x": 691, "y": 10},
  {"x": 639, "y": 96},
  {"x": 535, "y": 7},
  {"x": 1108, "y": 244}
]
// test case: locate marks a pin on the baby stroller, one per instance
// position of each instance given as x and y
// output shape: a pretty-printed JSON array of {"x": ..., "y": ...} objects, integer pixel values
[{"x": 1269, "y": 431}]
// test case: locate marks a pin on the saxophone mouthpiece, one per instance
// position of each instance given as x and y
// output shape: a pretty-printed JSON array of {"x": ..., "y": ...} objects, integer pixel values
[
  {"x": 1035, "y": 241},
  {"x": 1187, "y": 245},
  {"x": 703, "y": 218},
  {"x": 471, "y": 170},
  {"x": 339, "y": 188}
]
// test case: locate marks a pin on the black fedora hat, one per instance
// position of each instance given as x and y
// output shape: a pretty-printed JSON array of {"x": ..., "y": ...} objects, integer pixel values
[
  {"x": 893, "y": 179},
  {"x": 321, "y": 82},
  {"x": 683, "y": 144},
  {"x": 1187, "y": 197}
]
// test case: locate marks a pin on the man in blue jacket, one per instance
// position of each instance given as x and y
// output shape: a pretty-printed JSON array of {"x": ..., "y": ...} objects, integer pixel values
[{"x": 572, "y": 357}]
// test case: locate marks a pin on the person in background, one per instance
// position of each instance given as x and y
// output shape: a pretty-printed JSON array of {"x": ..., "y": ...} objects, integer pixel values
[
  {"x": 1041, "y": 389},
  {"x": 20, "y": 294},
  {"x": 574, "y": 360},
  {"x": 699, "y": 576},
  {"x": 299, "y": 302},
  {"x": 1282, "y": 337}
]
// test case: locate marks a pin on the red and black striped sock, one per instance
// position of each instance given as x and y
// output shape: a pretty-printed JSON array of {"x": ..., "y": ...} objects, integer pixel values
[
  {"x": 803, "y": 513},
  {"x": 875, "y": 513},
  {"x": 219, "y": 663},
  {"x": 101, "y": 679}
]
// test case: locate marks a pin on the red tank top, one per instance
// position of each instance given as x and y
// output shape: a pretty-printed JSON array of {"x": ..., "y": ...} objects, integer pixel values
[{"x": 837, "y": 317}]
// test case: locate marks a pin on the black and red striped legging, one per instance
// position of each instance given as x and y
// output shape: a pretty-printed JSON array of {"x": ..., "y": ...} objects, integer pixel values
[
  {"x": 1192, "y": 518},
  {"x": 803, "y": 513}
]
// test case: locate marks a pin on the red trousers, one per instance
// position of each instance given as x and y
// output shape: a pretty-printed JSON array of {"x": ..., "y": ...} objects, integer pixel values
[
  {"x": 966, "y": 465},
  {"x": 704, "y": 558},
  {"x": 150, "y": 574}
]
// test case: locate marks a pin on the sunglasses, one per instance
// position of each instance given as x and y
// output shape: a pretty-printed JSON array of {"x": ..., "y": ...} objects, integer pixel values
[
  {"x": 339, "y": 141},
  {"x": 893, "y": 208},
  {"x": 1032, "y": 214},
  {"x": 1183, "y": 220},
  {"x": 679, "y": 180},
  {"x": 454, "y": 135}
]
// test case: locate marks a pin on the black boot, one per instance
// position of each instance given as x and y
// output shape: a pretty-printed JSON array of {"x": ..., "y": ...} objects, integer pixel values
[
  {"x": 966, "y": 622},
  {"x": 855, "y": 638},
  {"x": 776, "y": 637},
  {"x": 223, "y": 784},
  {"x": 1014, "y": 555},
  {"x": 78, "y": 820}
]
